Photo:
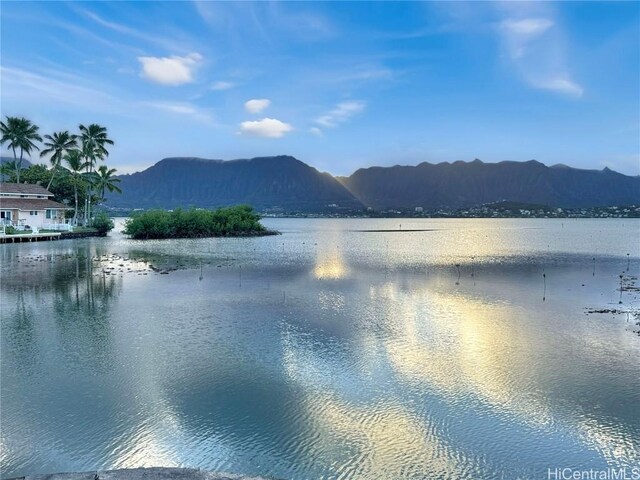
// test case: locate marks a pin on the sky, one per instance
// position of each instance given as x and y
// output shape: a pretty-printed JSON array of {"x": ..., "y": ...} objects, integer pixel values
[{"x": 338, "y": 85}]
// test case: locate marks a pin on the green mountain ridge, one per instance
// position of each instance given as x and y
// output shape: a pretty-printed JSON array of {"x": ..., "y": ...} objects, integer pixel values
[
  {"x": 279, "y": 183},
  {"x": 288, "y": 184}
]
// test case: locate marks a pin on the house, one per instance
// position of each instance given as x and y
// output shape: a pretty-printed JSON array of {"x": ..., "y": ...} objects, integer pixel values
[{"x": 23, "y": 204}]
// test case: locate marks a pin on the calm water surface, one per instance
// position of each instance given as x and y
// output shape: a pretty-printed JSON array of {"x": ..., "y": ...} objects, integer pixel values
[{"x": 462, "y": 351}]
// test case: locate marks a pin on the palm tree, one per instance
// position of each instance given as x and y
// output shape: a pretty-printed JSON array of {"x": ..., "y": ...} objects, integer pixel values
[
  {"x": 75, "y": 164},
  {"x": 94, "y": 138},
  {"x": 8, "y": 171},
  {"x": 58, "y": 144},
  {"x": 10, "y": 133},
  {"x": 20, "y": 133},
  {"x": 105, "y": 180}
]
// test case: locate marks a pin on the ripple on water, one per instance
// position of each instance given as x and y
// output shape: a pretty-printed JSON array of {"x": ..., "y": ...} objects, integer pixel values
[{"x": 323, "y": 353}]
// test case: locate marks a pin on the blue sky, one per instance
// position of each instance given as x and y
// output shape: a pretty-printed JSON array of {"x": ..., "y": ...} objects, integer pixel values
[{"x": 338, "y": 85}]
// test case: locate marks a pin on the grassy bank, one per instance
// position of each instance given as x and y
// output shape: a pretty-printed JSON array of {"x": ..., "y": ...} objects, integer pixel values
[{"x": 225, "y": 222}]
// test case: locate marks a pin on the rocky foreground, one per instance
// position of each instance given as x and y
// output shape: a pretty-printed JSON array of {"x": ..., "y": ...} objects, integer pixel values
[{"x": 156, "y": 473}]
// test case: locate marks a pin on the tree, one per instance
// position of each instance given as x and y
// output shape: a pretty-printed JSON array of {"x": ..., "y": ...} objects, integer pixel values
[
  {"x": 58, "y": 145},
  {"x": 105, "y": 180},
  {"x": 36, "y": 175},
  {"x": 8, "y": 171},
  {"x": 10, "y": 130},
  {"x": 94, "y": 139},
  {"x": 20, "y": 134},
  {"x": 75, "y": 164}
]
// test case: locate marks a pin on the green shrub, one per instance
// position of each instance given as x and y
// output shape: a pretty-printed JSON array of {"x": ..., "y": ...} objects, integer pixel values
[
  {"x": 9, "y": 230},
  {"x": 102, "y": 222},
  {"x": 193, "y": 223}
]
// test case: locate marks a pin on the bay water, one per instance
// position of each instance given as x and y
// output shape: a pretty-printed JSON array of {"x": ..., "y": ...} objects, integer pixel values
[{"x": 343, "y": 348}]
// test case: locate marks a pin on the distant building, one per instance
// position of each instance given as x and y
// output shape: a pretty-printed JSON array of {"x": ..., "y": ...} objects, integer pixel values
[
  {"x": 419, "y": 209},
  {"x": 24, "y": 204}
]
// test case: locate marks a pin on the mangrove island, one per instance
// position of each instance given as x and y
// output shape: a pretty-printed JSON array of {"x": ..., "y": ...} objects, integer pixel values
[{"x": 237, "y": 221}]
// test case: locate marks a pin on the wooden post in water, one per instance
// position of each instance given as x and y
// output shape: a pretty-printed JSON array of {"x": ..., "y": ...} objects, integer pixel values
[{"x": 621, "y": 277}]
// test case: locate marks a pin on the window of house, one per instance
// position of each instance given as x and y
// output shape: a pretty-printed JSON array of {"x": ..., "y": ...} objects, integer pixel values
[
  {"x": 33, "y": 212},
  {"x": 48, "y": 213}
]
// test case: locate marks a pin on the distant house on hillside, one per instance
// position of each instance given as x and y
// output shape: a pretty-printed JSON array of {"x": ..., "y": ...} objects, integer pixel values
[{"x": 24, "y": 204}]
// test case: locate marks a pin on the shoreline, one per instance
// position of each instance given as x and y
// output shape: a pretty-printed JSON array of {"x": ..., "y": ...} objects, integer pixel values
[{"x": 252, "y": 233}]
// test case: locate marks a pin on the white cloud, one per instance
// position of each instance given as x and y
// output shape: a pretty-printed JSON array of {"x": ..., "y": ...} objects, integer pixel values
[
  {"x": 267, "y": 127},
  {"x": 222, "y": 85},
  {"x": 257, "y": 105},
  {"x": 535, "y": 48},
  {"x": 343, "y": 112},
  {"x": 172, "y": 71},
  {"x": 316, "y": 131}
]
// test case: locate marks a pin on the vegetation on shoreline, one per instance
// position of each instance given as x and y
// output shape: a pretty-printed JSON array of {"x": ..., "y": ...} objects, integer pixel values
[
  {"x": 102, "y": 223},
  {"x": 240, "y": 220},
  {"x": 75, "y": 178}
]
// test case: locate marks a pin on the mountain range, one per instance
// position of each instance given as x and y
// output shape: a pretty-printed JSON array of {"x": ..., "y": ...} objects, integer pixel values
[
  {"x": 284, "y": 183},
  {"x": 465, "y": 184},
  {"x": 281, "y": 183}
]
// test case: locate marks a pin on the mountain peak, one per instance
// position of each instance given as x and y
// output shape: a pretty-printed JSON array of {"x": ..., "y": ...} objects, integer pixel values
[
  {"x": 279, "y": 182},
  {"x": 275, "y": 158}
]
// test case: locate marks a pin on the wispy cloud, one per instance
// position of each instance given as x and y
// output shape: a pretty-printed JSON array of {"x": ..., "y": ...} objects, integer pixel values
[
  {"x": 29, "y": 87},
  {"x": 347, "y": 70},
  {"x": 171, "y": 71},
  {"x": 340, "y": 114},
  {"x": 267, "y": 127},
  {"x": 534, "y": 46},
  {"x": 90, "y": 36},
  {"x": 222, "y": 85},
  {"x": 527, "y": 26},
  {"x": 183, "y": 108},
  {"x": 366, "y": 73},
  {"x": 306, "y": 25},
  {"x": 166, "y": 42},
  {"x": 316, "y": 131},
  {"x": 257, "y": 105},
  {"x": 266, "y": 20},
  {"x": 560, "y": 85}
]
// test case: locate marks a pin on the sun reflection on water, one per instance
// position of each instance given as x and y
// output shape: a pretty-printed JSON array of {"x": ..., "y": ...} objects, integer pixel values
[{"x": 330, "y": 266}]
